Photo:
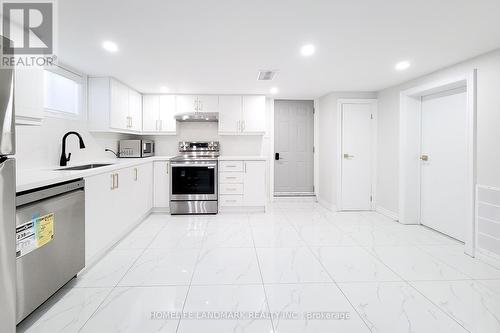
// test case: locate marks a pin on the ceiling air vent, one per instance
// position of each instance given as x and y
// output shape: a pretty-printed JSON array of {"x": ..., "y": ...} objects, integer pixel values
[{"x": 266, "y": 75}]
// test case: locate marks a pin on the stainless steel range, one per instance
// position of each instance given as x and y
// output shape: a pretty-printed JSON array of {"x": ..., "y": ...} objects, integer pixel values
[{"x": 193, "y": 183}]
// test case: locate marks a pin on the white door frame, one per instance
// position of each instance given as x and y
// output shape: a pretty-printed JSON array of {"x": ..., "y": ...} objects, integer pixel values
[
  {"x": 338, "y": 178},
  {"x": 410, "y": 144}
]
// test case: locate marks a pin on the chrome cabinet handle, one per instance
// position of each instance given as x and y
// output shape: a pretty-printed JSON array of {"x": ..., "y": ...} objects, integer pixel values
[
  {"x": 136, "y": 174},
  {"x": 167, "y": 167},
  {"x": 117, "y": 185},
  {"x": 424, "y": 158},
  {"x": 112, "y": 181},
  {"x": 346, "y": 156},
  {"x": 245, "y": 167}
]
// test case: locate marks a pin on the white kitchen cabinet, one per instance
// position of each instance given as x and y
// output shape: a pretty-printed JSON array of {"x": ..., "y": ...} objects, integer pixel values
[
  {"x": 113, "y": 107},
  {"x": 254, "y": 114},
  {"x": 242, "y": 184},
  {"x": 242, "y": 115},
  {"x": 208, "y": 103},
  {"x": 135, "y": 110},
  {"x": 29, "y": 94},
  {"x": 114, "y": 203},
  {"x": 186, "y": 104},
  {"x": 197, "y": 103},
  {"x": 150, "y": 113},
  {"x": 230, "y": 114},
  {"x": 254, "y": 180},
  {"x": 161, "y": 184},
  {"x": 159, "y": 114}
]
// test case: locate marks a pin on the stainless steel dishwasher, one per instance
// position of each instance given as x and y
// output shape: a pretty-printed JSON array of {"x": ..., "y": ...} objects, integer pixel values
[{"x": 50, "y": 241}]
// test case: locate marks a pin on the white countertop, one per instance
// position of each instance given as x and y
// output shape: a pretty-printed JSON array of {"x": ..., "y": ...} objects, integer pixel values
[
  {"x": 242, "y": 158},
  {"x": 30, "y": 179}
]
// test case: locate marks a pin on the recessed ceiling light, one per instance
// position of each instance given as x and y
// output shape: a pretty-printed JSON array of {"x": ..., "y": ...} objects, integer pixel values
[
  {"x": 402, "y": 65},
  {"x": 110, "y": 46},
  {"x": 307, "y": 50},
  {"x": 164, "y": 89},
  {"x": 273, "y": 90}
]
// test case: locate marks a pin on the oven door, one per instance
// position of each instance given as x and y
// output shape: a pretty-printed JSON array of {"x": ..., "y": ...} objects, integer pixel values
[{"x": 193, "y": 180}]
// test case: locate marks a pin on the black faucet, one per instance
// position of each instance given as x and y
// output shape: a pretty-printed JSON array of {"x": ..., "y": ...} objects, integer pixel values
[{"x": 64, "y": 159}]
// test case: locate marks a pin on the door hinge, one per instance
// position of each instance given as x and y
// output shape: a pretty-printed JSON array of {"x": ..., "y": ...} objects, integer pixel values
[
  {"x": 314, "y": 110},
  {"x": 314, "y": 149},
  {"x": 371, "y": 198}
]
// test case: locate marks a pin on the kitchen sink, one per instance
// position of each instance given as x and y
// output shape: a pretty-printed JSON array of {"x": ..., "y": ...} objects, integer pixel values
[{"x": 85, "y": 166}]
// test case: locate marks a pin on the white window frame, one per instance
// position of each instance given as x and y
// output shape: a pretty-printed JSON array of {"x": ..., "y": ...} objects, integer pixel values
[{"x": 79, "y": 78}]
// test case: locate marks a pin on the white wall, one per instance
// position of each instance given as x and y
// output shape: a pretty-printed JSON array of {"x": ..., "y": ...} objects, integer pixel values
[
  {"x": 40, "y": 146},
  {"x": 488, "y": 120},
  {"x": 327, "y": 144}
]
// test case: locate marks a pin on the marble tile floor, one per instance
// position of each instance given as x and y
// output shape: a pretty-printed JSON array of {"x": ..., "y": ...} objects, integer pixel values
[{"x": 296, "y": 268}]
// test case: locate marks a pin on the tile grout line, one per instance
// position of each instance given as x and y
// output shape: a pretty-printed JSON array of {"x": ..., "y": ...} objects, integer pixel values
[
  {"x": 261, "y": 277},
  {"x": 192, "y": 275},
  {"x": 335, "y": 282},
  {"x": 408, "y": 282},
  {"x": 116, "y": 284}
]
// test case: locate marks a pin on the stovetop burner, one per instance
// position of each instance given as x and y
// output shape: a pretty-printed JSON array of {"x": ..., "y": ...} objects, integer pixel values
[{"x": 197, "y": 151}]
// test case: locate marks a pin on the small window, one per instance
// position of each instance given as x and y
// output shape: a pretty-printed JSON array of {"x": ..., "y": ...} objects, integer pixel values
[{"x": 62, "y": 94}]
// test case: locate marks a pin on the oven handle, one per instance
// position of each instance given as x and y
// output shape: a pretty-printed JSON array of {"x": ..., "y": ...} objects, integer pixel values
[{"x": 188, "y": 164}]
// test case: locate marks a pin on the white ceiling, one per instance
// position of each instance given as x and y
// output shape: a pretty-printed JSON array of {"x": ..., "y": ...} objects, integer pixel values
[{"x": 217, "y": 46}]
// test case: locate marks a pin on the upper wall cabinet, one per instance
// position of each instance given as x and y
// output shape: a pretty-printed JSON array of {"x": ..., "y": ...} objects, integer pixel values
[
  {"x": 112, "y": 106},
  {"x": 197, "y": 103},
  {"x": 158, "y": 112},
  {"x": 242, "y": 115},
  {"x": 29, "y": 90}
]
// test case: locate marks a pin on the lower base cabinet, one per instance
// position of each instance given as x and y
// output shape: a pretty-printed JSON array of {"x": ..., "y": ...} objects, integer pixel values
[
  {"x": 161, "y": 185},
  {"x": 114, "y": 203},
  {"x": 242, "y": 184}
]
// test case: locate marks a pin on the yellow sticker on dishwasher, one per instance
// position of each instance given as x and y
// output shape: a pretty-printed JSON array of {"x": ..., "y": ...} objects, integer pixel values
[
  {"x": 34, "y": 234},
  {"x": 44, "y": 229}
]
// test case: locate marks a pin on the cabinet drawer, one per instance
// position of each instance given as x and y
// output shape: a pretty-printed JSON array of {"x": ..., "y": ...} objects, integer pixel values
[
  {"x": 231, "y": 177},
  {"x": 231, "y": 200},
  {"x": 231, "y": 188},
  {"x": 230, "y": 166}
]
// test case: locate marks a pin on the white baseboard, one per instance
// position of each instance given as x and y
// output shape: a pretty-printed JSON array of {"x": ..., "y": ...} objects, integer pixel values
[
  {"x": 235, "y": 209},
  {"x": 488, "y": 257},
  {"x": 387, "y": 213},
  {"x": 160, "y": 210},
  {"x": 327, "y": 205}
]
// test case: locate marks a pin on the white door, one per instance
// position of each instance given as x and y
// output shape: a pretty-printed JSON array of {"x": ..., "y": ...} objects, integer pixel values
[
  {"x": 150, "y": 113},
  {"x": 167, "y": 121},
  {"x": 293, "y": 147},
  {"x": 356, "y": 156},
  {"x": 254, "y": 114},
  {"x": 444, "y": 174},
  {"x": 229, "y": 114}
]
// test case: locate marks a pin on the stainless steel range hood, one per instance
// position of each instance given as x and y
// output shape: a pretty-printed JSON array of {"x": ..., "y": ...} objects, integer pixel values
[{"x": 198, "y": 117}]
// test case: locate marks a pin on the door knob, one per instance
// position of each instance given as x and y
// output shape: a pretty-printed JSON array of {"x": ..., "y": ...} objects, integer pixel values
[
  {"x": 348, "y": 156},
  {"x": 424, "y": 157},
  {"x": 277, "y": 156}
]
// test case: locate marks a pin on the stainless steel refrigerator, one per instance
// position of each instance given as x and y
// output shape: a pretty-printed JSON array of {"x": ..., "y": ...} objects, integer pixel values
[{"x": 7, "y": 203}]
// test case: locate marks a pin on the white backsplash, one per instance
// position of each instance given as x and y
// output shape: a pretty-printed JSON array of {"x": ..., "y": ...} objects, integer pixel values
[{"x": 40, "y": 146}]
